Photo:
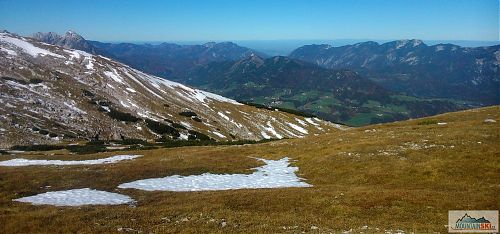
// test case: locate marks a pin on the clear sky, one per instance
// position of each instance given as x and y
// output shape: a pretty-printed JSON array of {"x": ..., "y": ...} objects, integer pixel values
[{"x": 204, "y": 20}]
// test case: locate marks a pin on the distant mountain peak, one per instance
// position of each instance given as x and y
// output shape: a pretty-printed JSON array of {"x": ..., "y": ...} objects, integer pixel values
[
  {"x": 70, "y": 40},
  {"x": 72, "y": 34}
]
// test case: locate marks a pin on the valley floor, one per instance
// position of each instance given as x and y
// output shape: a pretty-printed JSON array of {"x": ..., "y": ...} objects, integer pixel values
[{"x": 395, "y": 177}]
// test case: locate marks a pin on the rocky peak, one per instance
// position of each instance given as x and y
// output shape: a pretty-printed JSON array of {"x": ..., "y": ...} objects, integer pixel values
[
  {"x": 72, "y": 35},
  {"x": 70, "y": 40}
]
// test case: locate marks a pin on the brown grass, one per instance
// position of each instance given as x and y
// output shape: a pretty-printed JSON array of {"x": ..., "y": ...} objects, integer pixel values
[{"x": 386, "y": 179}]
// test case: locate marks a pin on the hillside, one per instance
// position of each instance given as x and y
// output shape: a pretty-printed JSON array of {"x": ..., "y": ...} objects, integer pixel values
[
  {"x": 337, "y": 95},
  {"x": 51, "y": 94},
  {"x": 392, "y": 178},
  {"x": 416, "y": 69}
]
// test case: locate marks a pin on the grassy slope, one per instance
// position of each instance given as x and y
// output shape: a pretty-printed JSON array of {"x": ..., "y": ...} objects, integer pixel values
[{"x": 404, "y": 175}]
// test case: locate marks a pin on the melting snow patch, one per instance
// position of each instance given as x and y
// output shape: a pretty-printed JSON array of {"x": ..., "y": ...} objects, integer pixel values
[
  {"x": 223, "y": 116},
  {"x": 184, "y": 136},
  {"x": 89, "y": 65},
  {"x": 186, "y": 124},
  {"x": 73, "y": 54},
  {"x": 229, "y": 119},
  {"x": 271, "y": 129},
  {"x": 490, "y": 121},
  {"x": 441, "y": 123},
  {"x": 310, "y": 120},
  {"x": 27, "y": 47},
  {"x": 116, "y": 147},
  {"x": 77, "y": 197},
  {"x": 131, "y": 90},
  {"x": 301, "y": 122},
  {"x": 114, "y": 75},
  {"x": 298, "y": 128},
  {"x": 264, "y": 134},
  {"x": 275, "y": 174},
  {"x": 19, "y": 162},
  {"x": 123, "y": 104},
  {"x": 218, "y": 134}
]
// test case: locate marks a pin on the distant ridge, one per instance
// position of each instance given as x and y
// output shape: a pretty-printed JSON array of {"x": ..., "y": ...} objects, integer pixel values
[{"x": 416, "y": 69}]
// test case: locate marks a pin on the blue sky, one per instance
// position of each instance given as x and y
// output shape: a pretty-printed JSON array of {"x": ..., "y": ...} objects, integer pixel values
[{"x": 204, "y": 20}]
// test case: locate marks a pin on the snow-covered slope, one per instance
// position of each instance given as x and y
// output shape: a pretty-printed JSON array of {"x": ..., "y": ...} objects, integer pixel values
[{"x": 50, "y": 94}]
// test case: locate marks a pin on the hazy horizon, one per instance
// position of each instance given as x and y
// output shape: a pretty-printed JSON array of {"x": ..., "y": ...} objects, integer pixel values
[{"x": 283, "y": 47}]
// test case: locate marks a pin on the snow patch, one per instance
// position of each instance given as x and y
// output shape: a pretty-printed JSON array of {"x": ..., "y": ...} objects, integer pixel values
[
  {"x": 275, "y": 174},
  {"x": 20, "y": 162},
  {"x": 186, "y": 124},
  {"x": 27, "y": 47},
  {"x": 490, "y": 121},
  {"x": 114, "y": 75},
  {"x": 271, "y": 129},
  {"x": 301, "y": 122},
  {"x": 223, "y": 116},
  {"x": 73, "y": 54},
  {"x": 131, "y": 90},
  {"x": 298, "y": 128},
  {"x": 183, "y": 136},
  {"x": 217, "y": 97},
  {"x": 229, "y": 119},
  {"x": 310, "y": 120},
  {"x": 218, "y": 134},
  {"x": 77, "y": 197}
]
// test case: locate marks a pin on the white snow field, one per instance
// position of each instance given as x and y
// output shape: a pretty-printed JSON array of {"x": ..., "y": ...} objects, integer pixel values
[
  {"x": 275, "y": 174},
  {"x": 27, "y": 47},
  {"x": 19, "y": 162},
  {"x": 77, "y": 197}
]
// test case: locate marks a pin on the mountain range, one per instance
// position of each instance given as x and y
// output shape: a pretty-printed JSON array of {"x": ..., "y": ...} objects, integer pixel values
[
  {"x": 356, "y": 84},
  {"x": 413, "y": 68},
  {"x": 51, "y": 94},
  {"x": 169, "y": 60}
]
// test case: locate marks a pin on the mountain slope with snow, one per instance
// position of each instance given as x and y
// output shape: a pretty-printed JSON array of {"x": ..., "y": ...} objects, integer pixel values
[{"x": 50, "y": 94}]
